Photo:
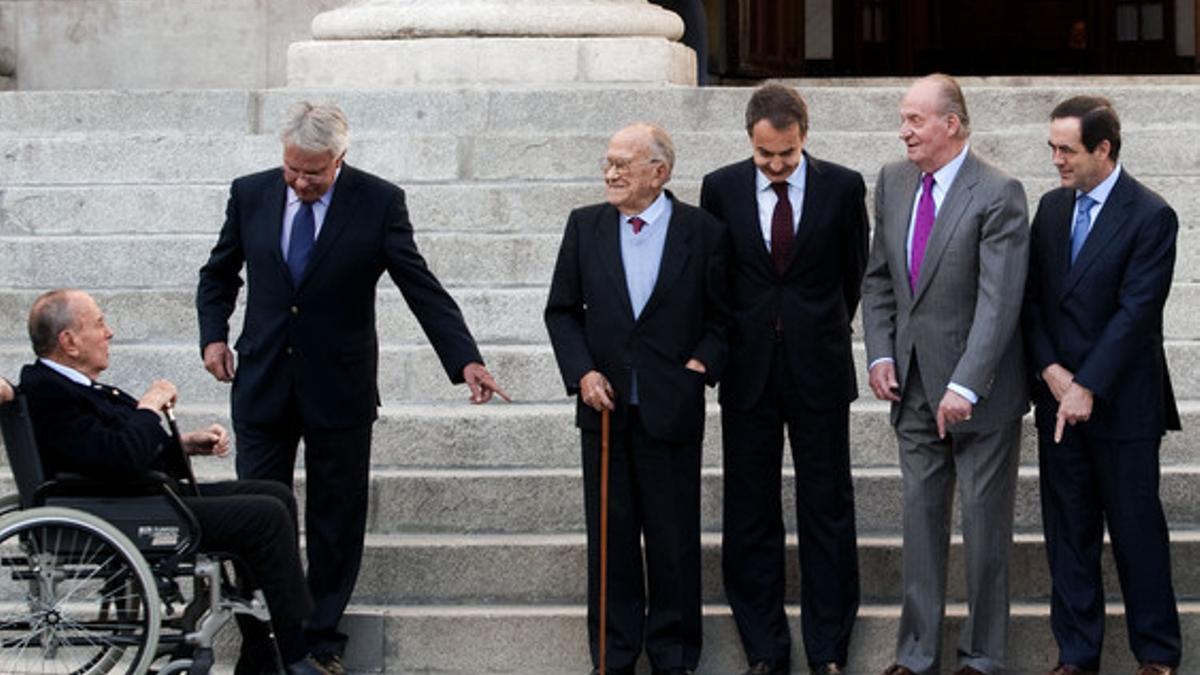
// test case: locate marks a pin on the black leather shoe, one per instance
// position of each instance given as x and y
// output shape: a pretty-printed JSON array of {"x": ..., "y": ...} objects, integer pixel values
[
  {"x": 332, "y": 663},
  {"x": 830, "y": 668},
  {"x": 767, "y": 668},
  {"x": 307, "y": 666},
  {"x": 615, "y": 671}
]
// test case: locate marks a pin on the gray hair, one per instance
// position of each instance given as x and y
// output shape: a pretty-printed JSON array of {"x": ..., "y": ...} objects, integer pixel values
[
  {"x": 661, "y": 145},
  {"x": 316, "y": 127},
  {"x": 951, "y": 101},
  {"x": 51, "y": 314}
]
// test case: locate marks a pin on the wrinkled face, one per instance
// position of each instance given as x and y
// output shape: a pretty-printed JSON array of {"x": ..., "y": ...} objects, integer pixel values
[
  {"x": 1077, "y": 168},
  {"x": 928, "y": 135},
  {"x": 777, "y": 152},
  {"x": 86, "y": 342},
  {"x": 309, "y": 173},
  {"x": 633, "y": 177}
]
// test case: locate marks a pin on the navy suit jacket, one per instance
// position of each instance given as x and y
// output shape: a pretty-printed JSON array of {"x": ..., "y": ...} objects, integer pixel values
[
  {"x": 96, "y": 431},
  {"x": 590, "y": 319},
  {"x": 317, "y": 341},
  {"x": 1102, "y": 317},
  {"x": 815, "y": 298}
]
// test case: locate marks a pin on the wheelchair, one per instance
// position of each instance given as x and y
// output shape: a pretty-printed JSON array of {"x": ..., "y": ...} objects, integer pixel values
[{"x": 95, "y": 577}]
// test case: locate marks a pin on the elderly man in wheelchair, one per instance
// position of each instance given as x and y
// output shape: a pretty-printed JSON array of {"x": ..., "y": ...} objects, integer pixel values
[{"x": 110, "y": 533}]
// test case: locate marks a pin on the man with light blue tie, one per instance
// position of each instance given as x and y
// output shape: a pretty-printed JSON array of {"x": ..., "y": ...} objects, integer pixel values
[
  {"x": 638, "y": 316},
  {"x": 315, "y": 236},
  {"x": 941, "y": 303},
  {"x": 1102, "y": 254}
]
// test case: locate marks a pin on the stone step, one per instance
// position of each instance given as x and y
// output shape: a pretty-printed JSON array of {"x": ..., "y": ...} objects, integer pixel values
[
  {"x": 552, "y": 569},
  {"x": 475, "y": 207},
  {"x": 548, "y": 501},
  {"x": 552, "y": 640},
  {"x": 844, "y": 105},
  {"x": 412, "y": 373},
  {"x": 503, "y": 315},
  {"x": 170, "y": 157}
]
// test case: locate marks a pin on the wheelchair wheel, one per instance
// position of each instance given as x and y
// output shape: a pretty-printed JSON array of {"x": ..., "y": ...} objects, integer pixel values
[{"x": 76, "y": 596}]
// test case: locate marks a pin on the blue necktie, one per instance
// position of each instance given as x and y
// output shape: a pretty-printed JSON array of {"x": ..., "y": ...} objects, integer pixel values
[
  {"x": 304, "y": 232},
  {"x": 1083, "y": 224}
]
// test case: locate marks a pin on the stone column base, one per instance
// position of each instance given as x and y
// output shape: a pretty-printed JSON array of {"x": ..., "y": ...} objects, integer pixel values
[{"x": 382, "y": 64}]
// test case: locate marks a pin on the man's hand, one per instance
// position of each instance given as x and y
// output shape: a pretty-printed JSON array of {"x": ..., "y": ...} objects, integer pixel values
[
  {"x": 160, "y": 394},
  {"x": 218, "y": 360},
  {"x": 695, "y": 365},
  {"x": 6, "y": 391},
  {"x": 595, "y": 391},
  {"x": 211, "y": 441},
  {"x": 883, "y": 381},
  {"x": 952, "y": 410},
  {"x": 481, "y": 383},
  {"x": 1058, "y": 379},
  {"x": 1075, "y": 406}
]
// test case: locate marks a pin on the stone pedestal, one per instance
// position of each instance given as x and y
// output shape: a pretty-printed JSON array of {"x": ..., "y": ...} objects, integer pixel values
[{"x": 379, "y": 44}]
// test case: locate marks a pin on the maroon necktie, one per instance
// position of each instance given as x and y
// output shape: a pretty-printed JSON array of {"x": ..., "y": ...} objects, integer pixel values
[
  {"x": 782, "y": 235},
  {"x": 922, "y": 226},
  {"x": 637, "y": 224}
]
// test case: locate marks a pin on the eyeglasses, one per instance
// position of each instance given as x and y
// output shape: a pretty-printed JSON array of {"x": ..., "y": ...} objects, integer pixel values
[
  {"x": 623, "y": 166},
  {"x": 308, "y": 176}
]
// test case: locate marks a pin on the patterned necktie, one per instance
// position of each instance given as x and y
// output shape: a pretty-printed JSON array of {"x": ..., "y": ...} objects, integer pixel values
[
  {"x": 926, "y": 212},
  {"x": 1083, "y": 224},
  {"x": 782, "y": 235},
  {"x": 637, "y": 224},
  {"x": 304, "y": 233}
]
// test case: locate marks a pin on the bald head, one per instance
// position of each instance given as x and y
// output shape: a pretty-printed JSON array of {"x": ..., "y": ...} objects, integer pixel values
[
  {"x": 66, "y": 326},
  {"x": 637, "y": 166}
]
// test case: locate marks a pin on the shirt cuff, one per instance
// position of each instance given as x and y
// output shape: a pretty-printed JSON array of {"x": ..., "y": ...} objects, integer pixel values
[
  {"x": 882, "y": 359},
  {"x": 963, "y": 392}
]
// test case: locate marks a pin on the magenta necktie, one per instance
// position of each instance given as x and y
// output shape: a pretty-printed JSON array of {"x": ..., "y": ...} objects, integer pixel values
[
  {"x": 921, "y": 229},
  {"x": 782, "y": 235},
  {"x": 637, "y": 224}
]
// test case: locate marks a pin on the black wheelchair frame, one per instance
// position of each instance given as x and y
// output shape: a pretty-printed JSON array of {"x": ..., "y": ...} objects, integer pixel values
[{"x": 91, "y": 572}]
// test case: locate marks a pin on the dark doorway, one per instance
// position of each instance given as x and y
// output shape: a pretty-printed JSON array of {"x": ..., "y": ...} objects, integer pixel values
[{"x": 764, "y": 38}]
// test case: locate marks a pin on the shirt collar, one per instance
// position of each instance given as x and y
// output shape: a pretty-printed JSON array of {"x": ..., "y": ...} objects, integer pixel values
[
  {"x": 945, "y": 176},
  {"x": 67, "y": 372},
  {"x": 652, "y": 213},
  {"x": 294, "y": 200},
  {"x": 1100, "y": 192},
  {"x": 795, "y": 180}
]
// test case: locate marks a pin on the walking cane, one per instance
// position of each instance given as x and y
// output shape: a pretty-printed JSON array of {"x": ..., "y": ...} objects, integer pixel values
[{"x": 603, "y": 540}]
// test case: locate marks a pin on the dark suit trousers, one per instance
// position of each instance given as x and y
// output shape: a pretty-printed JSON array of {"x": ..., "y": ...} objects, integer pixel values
[
  {"x": 753, "y": 548},
  {"x": 336, "y": 463},
  {"x": 1086, "y": 481},
  {"x": 256, "y": 522},
  {"x": 654, "y": 490}
]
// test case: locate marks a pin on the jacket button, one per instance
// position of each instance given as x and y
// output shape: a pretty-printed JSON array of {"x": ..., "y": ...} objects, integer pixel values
[{"x": 295, "y": 309}]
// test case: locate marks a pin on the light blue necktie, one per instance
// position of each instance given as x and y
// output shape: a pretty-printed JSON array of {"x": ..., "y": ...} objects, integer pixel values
[
  {"x": 1083, "y": 224},
  {"x": 304, "y": 232}
]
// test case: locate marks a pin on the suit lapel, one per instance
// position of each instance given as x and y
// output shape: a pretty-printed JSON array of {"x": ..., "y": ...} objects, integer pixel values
[
  {"x": 747, "y": 204},
  {"x": 274, "y": 200},
  {"x": 340, "y": 212},
  {"x": 609, "y": 250},
  {"x": 676, "y": 251},
  {"x": 814, "y": 183},
  {"x": 948, "y": 218},
  {"x": 901, "y": 199},
  {"x": 1112, "y": 214}
]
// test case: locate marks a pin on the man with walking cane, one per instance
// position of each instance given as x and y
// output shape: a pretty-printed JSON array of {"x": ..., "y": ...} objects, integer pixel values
[{"x": 637, "y": 316}]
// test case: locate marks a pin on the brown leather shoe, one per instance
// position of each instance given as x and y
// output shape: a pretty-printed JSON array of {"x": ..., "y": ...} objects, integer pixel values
[
  {"x": 1068, "y": 669},
  {"x": 897, "y": 669},
  {"x": 1155, "y": 669}
]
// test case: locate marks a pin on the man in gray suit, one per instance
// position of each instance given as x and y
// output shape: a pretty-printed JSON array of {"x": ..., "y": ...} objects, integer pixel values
[{"x": 941, "y": 299}]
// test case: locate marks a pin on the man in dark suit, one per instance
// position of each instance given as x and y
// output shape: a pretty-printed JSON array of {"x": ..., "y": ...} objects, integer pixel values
[
  {"x": 637, "y": 316},
  {"x": 798, "y": 227},
  {"x": 941, "y": 304},
  {"x": 1101, "y": 262},
  {"x": 88, "y": 428},
  {"x": 315, "y": 236}
]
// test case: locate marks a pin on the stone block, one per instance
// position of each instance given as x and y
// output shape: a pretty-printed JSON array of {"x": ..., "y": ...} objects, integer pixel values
[{"x": 46, "y": 113}]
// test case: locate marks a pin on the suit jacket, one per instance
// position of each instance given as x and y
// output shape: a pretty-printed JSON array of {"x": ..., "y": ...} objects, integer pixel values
[
  {"x": 961, "y": 323},
  {"x": 590, "y": 319},
  {"x": 97, "y": 431},
  {"x": 316, "y": 340},
  {"x": 1102, "y": 317},
  {"x": 814, "y": 299}
]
